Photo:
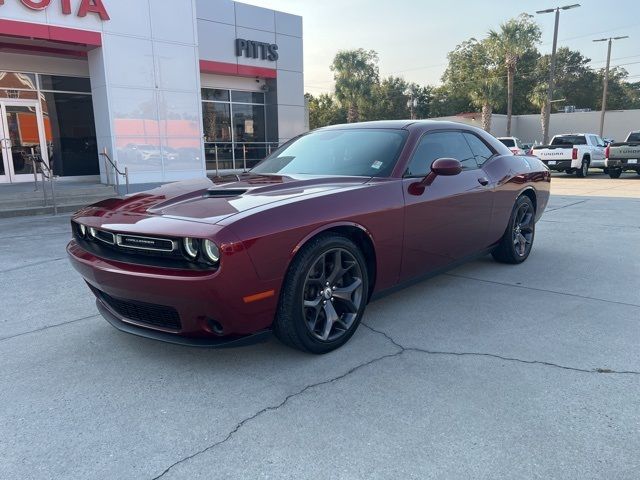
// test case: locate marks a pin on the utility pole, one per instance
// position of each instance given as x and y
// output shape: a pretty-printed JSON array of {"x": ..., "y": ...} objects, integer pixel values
[
  {"x": 605, "y": 86},
  {"x": 412, "y": 103},
  {"x": 552, "y": 67}
]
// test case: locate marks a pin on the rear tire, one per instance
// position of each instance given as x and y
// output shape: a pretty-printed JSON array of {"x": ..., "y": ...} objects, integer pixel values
[
  {"x": 324, "y": 295},
  {"x": 614, "y": 172},
  {"x": 516, "y": 242},
  {"x": 583, "y": 171}
]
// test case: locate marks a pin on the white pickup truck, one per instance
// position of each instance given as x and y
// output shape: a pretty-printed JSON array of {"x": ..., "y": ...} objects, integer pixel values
[
  {"x": 573, "y": 152},
  {"x": 624, "y": 155}
]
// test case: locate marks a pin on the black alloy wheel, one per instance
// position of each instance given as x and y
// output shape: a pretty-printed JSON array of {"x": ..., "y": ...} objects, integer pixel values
[
  {"x": 332, "y": 294},
  {"x": 323, "y": 296},
  {"x": 517, "y": 241}
]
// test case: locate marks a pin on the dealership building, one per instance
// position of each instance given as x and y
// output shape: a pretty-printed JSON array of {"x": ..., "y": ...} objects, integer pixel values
[{"x": 169, "y": 89}]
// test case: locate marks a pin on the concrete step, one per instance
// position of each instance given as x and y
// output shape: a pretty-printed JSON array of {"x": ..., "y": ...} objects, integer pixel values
[
  {"x": 61, "y": 192},
  {"x": 6, "y": 204},
  {"x": 63, "y": 207}
]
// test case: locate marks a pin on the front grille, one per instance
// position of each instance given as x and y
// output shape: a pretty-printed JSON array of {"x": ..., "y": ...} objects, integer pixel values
[
  {"x": 138, "y": 249},
  {"x": 148, "y": 313}
]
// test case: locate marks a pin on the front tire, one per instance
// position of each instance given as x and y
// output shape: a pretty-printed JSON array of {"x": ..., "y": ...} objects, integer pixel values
[
  {"x": 515, "y": 245},
  {"x": 324, "y": 295},
  {"x": 583, "y": 171}
]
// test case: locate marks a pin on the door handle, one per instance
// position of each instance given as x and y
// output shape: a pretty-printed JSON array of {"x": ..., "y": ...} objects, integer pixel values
[{"x": 484, "y": 181}]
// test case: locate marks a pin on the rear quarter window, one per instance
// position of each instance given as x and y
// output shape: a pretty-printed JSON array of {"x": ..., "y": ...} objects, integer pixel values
[
  {"x": 634, "y": 137},
  {"x": 569, "y": 140}
]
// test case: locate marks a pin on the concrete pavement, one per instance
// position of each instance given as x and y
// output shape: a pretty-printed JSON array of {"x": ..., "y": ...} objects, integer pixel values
[{"x": 488, "y": 371}]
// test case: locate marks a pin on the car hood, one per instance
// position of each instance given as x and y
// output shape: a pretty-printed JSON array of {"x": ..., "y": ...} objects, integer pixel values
[{"x": 211, "y": 201}]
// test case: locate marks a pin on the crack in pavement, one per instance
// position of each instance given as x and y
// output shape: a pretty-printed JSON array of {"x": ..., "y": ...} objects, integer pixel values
[
  {"x": 401, "y": 349},
  {"x": 615, "y": 302},
  {"x": 565, "y": 206},
  {"x": 634, "y": 227},
  {"x": 271, "y": 408},
  {"x": 62, "y": 232},
  {"x": 498, "y": 357},
  {"x": 32, "y": 264},
  {"x": 47, "y": 327}
]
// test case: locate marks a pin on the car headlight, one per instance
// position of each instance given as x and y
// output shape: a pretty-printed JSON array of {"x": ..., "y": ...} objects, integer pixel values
[
  {"x": 211, "y": 251},
  {"x": 92, "y": 232},
  {"x": 82, "y": 229},
  {"x": 190, "y": 247}
]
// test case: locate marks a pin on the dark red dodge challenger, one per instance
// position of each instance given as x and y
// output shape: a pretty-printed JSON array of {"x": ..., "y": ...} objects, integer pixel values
[{"x": 300, "y": 244}]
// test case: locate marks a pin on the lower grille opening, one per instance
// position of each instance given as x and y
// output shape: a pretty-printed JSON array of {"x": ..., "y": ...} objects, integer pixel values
[{"x": 147, "y": 313}]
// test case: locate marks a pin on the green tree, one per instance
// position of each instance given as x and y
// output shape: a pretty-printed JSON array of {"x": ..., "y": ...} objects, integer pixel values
[
  {"x": 447, "y": 100},
  {"x": 422, "y": 98},
  {"x": 539, "y": 99},
  {"x": 355, "y": 73},
  {"x": 509, "y": 43},
  {"x": 473, "y": 71},
  {"x": 574, "y": 79},
  {"x": 619, "y": 94},
  {"x": 324, "y": 110},
  {"x": 389, "y": 100}
]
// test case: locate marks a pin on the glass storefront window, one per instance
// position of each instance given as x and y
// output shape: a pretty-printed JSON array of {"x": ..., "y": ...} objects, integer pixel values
[
  {"x": 17, "y": 81},
  {"x": 65, "y": 121},
  {"x": 217, "y": 122},
  {"x": 248, "y": 123},
  {"x": 234, "y": 125},
  {"x": 18, "y": 94},
  {"x": 247, "y": 97},
  {"x": 71, "y": 134},
  {"x": 215, "y": 94},
  {"x": 64, "y": 83}
]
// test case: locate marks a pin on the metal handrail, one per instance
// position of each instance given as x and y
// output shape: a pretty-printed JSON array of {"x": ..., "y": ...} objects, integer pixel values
[
  {"x": 245, "y": 148},
  {"x": 117, "y": 171},
  {"x": 47, "y": 174}
]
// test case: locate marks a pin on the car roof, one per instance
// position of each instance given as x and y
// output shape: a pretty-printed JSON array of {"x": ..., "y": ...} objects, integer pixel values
[
  {"x": 572, "y": 134},
  {"x": 396, "y": 124}
]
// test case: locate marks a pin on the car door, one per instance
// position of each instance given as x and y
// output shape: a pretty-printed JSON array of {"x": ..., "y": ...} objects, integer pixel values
[
  {"x": 449, "y": 219},
  {"x": 601, "y": 148},
  {"x": 597, "y": 150}
]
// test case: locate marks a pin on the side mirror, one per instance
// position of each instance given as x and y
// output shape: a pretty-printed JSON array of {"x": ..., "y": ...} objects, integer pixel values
[
  {"x": 441, "y": 167},
  {"x": 446, "y": 167}
]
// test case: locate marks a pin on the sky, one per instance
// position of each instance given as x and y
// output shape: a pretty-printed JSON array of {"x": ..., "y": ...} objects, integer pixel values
[{"x": 413, "y": 37}]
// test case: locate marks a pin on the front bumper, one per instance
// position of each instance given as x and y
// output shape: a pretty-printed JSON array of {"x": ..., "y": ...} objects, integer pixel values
[
  {"x": 197, "y": 298},
  {"x": 208, "y": 342},
  {"x": 623, "y": 164}
]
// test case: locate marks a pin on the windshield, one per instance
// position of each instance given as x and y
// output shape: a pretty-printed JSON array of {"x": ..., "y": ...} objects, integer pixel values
[
  {"x": 349, "y": 152},
  {"x": 570, "y": 140},
  {"x": 508, "y": 142},
  {"x": 634, "y": 137}
]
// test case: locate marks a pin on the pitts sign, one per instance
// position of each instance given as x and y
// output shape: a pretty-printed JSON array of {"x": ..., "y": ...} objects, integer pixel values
[
  {"x": 253, "y": 49},
  {"x": 86, "y": 6}
]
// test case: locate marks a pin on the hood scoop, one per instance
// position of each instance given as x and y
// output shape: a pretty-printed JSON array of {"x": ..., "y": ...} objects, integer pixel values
[{"x": 225, "y": 192}]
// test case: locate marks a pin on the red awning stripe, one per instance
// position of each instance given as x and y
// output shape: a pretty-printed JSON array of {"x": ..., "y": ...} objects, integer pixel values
[
  {"x": 223, "y": 68},
  {"x": 14, "y": 28}
]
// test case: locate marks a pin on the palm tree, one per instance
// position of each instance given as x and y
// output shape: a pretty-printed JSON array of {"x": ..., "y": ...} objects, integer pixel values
[
  {"x": 473, "y": 72},
  {"x": 539, "y": 99},
  {"x": 514, "y": 38},
  {"x": 355, "y": 74},
  {"x": 486, "y": 94}
]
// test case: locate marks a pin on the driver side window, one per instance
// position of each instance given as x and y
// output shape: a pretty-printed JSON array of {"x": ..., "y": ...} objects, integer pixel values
[{"x": 437, "y": 145}]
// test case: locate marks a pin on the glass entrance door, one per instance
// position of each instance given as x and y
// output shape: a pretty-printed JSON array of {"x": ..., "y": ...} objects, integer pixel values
[{"x": 21, "y": 134}]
